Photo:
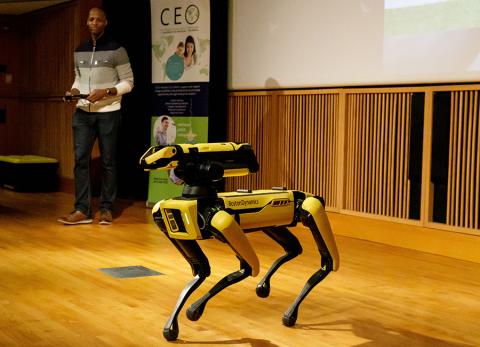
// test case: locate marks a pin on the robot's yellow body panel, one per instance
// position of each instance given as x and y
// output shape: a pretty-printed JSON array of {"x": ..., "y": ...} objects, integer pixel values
[
  {"x": 202, "y": 213},
  {"x": 257, "y": 209},
  {"x": 180, "y": 218},
  {"x": 261, "y": 208}
]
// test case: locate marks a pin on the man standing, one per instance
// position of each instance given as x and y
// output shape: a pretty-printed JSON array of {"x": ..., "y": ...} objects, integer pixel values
[
  {"x": 103, "y": 74},
  {"x": 161, "y": 137}
]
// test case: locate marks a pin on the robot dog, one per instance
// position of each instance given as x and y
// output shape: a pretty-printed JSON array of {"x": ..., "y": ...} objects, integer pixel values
[{"x": 202, "y": 213}]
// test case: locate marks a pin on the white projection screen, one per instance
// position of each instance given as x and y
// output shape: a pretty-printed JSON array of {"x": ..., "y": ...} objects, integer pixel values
[{"x": 332, "y": 43}]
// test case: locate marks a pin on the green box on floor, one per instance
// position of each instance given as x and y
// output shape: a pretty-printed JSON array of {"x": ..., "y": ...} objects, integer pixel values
[{"x": 28, "y": 173}]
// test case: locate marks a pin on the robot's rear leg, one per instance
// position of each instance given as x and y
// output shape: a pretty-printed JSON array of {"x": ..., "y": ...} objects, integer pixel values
[
  {"x": 290, "y": 316},
  {"x": 195, "y": 311},
  {"x": 315, "y": 218},
  {"x": 292, "y": 247},
  {"x": 192, "y": 252}
]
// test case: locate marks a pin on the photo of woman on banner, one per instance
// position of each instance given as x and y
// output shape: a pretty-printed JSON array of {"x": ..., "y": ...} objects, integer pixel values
[
  {"x": 190, "y": 53},
  {"x": 164, "y": 131}
]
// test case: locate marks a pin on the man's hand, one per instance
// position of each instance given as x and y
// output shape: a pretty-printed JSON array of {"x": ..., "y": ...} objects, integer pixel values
[
  {"x": 97, "y": 94},
  {"x": 69, "y": 94}
]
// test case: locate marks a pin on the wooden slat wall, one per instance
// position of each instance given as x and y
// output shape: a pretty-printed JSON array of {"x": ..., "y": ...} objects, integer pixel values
[
  {"x": 40, "y": 59},
  {"x": 294, "y": 136},
  {"x": 463, "y": 192},
  {"x": 310, "y": 131},
  {"x": 11, "y": 43},
  {"x": 260, "y": 124},
  {"x": 377, "y": 133},
  {"x": 297, "y": 136}
]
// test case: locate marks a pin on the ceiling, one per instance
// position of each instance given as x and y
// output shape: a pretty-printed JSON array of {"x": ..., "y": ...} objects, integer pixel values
[{"x": 16, "y": 7}]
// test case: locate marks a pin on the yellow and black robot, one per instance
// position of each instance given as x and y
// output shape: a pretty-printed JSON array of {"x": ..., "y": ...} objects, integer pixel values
[{"x": 203, "y": 213}]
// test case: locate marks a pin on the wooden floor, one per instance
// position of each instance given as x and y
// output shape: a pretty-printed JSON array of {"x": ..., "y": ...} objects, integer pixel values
[{"x": 52, "y": 292}]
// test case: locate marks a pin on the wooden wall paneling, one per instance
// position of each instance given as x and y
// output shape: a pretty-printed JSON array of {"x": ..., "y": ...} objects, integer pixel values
[
  {"x": 471, "y": 170},
  {"x": 476, "y": 159},
  {"x": 473, "y": 150},
  {"x": 379, "y": 156},
  {"x": 329, "y": 186},
  {"x": 370, "y": 165},
  {"x": 304, "y": 146},
  {"x": 475, "y": 147},
  {"x": 11, "y": 43},
  {"x": 368, "y": 183},
  {"x": 324, "y": 139},
  {"x": 385, "y": 148},
  {"x": 457, "y": 161},
  {"x": 383, "y": 159},
  {"x": 375, "y": 156},
  {"x": 468, "y": 160},
  {"x": 388, "y": 151},
  {"x": 294, "y": 138},
  {"x": 289, "y": 135},
  {"x": 319, "y": 150},
  {"x": 332, "y": 182},
  {"x": 477, "y": 162},
  {"x": 347, "y": 192},
  {"x": 391, "y": 161},
  {"x": 463, "y": 149},
  {"x": 284, "y": 105},
  {"x": 361, "y": 151},
  {"x": 366, "y": 156},
  {"x": 301, "y": 134},
  {"x": 403, "y": 157},
  {"x": 10, "y": 141},
  {"x": 405, "y": 150},
  {"x": 294, "y": 133},
  {"x": 397, "y": 176},
  {"x": 451, "y": 162},
  {"x": 380, "y": 147},
  {"x": 427, "y": 188},
  {"x": 341, "y": 137},
  {"x": 351, "y": 152},
  {"x": 313, "y": 178},
  {"x": 460, "y": 210},
  {"x": 354, "y": 154}
]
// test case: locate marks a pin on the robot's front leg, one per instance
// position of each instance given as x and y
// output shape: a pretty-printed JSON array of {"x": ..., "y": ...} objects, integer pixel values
[
  {"x": 292, "y": 247},
  {"x": 228, "y": 229},
  {"x": 201, "y": 269},
  {"x": 315, "y": 218}
]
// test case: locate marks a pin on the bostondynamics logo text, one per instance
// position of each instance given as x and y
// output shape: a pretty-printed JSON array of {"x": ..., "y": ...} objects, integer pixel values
[{"x": 242, "y": 203}]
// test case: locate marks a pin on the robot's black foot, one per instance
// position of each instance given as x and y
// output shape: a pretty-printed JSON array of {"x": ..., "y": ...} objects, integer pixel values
[
  {"x": 171, "y": 332},
  {"x": 194, "y": 312},
  {"x": 263, "y": 290},
  {"x": 289, "y": 320}
]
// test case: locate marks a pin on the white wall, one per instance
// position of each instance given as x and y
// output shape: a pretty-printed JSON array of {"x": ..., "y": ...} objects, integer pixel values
[{"x": 321, "y": 43}]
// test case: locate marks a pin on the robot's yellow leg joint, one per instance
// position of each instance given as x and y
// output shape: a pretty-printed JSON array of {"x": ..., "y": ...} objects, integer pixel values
[
  {"x": 322, "y": 232},
  {"x": 235, "y": 237}
]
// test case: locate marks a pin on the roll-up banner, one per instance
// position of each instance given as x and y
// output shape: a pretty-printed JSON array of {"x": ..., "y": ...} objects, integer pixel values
[{"x": 180, "y": 81}]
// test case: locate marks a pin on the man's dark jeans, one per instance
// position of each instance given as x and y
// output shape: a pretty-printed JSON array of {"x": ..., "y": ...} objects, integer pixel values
[{"x": 87, "y": 126}]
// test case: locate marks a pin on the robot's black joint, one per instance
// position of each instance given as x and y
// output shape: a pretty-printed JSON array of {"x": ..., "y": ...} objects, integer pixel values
[
  {"x": 327, "y": 261},
  {"x": 321, "y": 199},
  {"x": 306, "y": 219},
  {"x": 207, "y": 210}
]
